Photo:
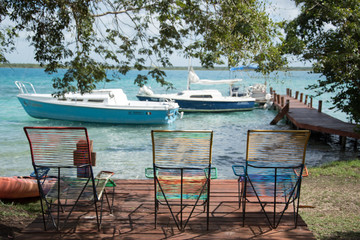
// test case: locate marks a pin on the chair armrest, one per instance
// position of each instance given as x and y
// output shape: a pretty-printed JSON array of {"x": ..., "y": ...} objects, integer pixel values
[
  {"x": 213, "y": 173},
  {"x": 102, "y": 179},
  {"x": 110, "y": 183},
  {"x": 239, "y": 170},
  {"x": 149, "y": 172},
  {"x": 104, "y": 175},
  {"x": 305, "y": 172},
  {"x": 42, "y": 172}
]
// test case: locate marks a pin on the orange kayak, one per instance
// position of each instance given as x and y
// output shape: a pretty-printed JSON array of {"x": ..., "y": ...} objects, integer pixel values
[{"x": 18, "y": 187}]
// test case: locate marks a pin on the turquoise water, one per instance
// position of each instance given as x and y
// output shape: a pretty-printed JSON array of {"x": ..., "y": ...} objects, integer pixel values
[{"x": 126, "y": 149}]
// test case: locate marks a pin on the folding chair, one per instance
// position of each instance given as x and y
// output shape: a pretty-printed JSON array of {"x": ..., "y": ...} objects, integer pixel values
[
  {"x": 275, "y": 161},
  {"x": 62, "y": 159},
  {"x": 182, "y": 172}
]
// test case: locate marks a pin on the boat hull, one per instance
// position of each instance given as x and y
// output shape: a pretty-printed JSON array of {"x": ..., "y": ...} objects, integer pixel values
[
  {"x": 205, "y": 105},
  {"x": 108, "y": 114},
  {"x": 21, "y": 187}
]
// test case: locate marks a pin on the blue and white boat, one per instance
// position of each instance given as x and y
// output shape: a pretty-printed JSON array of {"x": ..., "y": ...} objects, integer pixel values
[
  {"x": 210, "y": 100},
  {"x": 99, "y": 106}
]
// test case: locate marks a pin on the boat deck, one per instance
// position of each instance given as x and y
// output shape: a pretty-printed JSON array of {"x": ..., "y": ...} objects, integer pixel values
[{"x": 133, "y": 218}]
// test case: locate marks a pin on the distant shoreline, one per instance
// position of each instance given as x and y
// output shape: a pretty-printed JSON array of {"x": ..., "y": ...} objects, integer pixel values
[{"x": 33, "y": 65}]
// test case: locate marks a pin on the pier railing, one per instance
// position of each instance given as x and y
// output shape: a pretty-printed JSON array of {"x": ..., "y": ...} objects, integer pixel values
[
  {"x": 306, "y": 99},
  {"x": 299, "y": 111}
]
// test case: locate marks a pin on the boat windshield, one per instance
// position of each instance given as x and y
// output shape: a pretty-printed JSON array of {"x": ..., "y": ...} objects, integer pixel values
[{"x": 200, "y": 96}]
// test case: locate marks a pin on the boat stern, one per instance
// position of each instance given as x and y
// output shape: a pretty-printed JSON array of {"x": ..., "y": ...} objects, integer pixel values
[{"x": 173, "y": 112}]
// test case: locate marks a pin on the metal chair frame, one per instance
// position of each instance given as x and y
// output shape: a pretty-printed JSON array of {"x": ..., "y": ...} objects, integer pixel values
[
  {"x": 204, "y": 193},
  {"x": 53, "y": 198},
  {"x": 246, "y": 181}
]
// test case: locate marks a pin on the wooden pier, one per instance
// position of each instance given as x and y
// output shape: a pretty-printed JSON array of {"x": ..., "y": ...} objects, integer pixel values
[
  {"x": 133, "y": 218},
  {"x": 299, "y": 111}
]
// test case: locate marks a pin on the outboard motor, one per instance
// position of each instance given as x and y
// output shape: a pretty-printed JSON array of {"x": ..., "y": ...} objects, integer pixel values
[
  {"x": 268, "y": 103},
  {"x": 144, "y": 90}
]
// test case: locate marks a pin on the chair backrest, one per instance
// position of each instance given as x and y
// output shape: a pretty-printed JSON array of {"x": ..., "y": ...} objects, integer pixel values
[
  {"x": 276, "y": 148},
  {"x": 68, "y": 181},
  {"x": 65, "y": 147},
  {"x": 274, "y": 164},
  {"x": 182, "y": 162},
  {"x": 179, "y": 149}
]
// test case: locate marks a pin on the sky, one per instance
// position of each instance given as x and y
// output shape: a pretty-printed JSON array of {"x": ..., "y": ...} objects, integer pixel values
[{"x": 278, "y": 10}]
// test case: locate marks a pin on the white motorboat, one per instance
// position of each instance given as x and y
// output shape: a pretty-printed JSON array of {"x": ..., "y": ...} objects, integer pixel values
[
  {"x": 201, "y": 100},
  {"x": 99, "y": 106}
]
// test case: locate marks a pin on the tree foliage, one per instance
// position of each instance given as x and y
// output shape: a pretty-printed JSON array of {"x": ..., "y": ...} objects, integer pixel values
[
  {"x": 88, "y": 37},
  {"x": 327, "y": 32}
]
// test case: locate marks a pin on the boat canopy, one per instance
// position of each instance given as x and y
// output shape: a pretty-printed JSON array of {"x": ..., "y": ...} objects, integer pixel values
[
  {"x": 194, "y": 79},
  {"x": 242, "y": 68}
]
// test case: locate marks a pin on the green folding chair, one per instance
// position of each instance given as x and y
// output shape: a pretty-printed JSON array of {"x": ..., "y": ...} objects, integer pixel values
[{"x": 182, "y": 172}]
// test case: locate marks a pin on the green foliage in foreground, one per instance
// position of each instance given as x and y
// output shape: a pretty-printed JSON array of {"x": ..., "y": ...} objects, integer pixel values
[
  {"x": 327, "y": 33},
  {"x": 88, "y": 37},
  {"x": 332, "y": 192}
]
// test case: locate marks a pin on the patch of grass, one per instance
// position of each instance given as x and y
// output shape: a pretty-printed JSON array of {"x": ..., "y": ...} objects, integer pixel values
[
  {"x": 14, "y": 216},
  {"x": 19, "y": 209},
  {"x": 333, "y": 190},
  {"x": 338, "y": 169}
]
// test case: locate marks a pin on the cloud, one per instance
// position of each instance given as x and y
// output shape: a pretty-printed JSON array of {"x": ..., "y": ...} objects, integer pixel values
[{"x": 280, "y": 10}]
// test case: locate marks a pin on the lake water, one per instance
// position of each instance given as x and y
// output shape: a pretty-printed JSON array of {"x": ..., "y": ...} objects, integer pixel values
[{"x": 126, "y": 149}]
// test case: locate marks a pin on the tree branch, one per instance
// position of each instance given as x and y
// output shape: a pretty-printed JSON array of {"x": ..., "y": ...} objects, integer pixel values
[{"x": 115, "y": 12}]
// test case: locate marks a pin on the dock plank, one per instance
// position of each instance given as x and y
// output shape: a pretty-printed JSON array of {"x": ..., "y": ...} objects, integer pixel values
[
  {"x": 133, "y": 218},
  {"x": 304, "y": 117}
]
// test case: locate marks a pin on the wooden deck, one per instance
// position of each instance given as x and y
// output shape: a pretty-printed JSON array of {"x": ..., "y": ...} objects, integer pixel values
[
  {"x": 303, "y": 116},
  {"x": 133, "y": 218}
]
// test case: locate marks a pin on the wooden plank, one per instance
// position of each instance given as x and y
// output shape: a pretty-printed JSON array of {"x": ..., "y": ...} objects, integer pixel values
[
  {"x": 133, "y": 218},
  {"x": 305, "y": 117},
  {"x": 280, "y": 115}
]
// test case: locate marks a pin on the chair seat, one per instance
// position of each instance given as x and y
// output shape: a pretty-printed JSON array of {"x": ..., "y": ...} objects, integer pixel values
[
  {"x": 264, "y": 185},
  {"x": 191, "y": 187},
  {"x": 70, "y": 187}
]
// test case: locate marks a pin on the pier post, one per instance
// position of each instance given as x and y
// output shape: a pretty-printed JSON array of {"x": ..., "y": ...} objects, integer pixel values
[
  {"x": 274, "y": 96},
  {"x": 320, "y": 106},
  {"x": 311, "y": 100},
  {"x": 306, "y": 98},
  {"x": 271, "y": 90},
  {"x": 343, "y": 142},
  {"x": 290, "y": 93},
  {"x": 288, "y": 106},
  {"x": 296, "y": 94},
  {"x": 278, "y": 98},
  {"x": 301, "y": 97},
  {"x": 282, "y": 101}
]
